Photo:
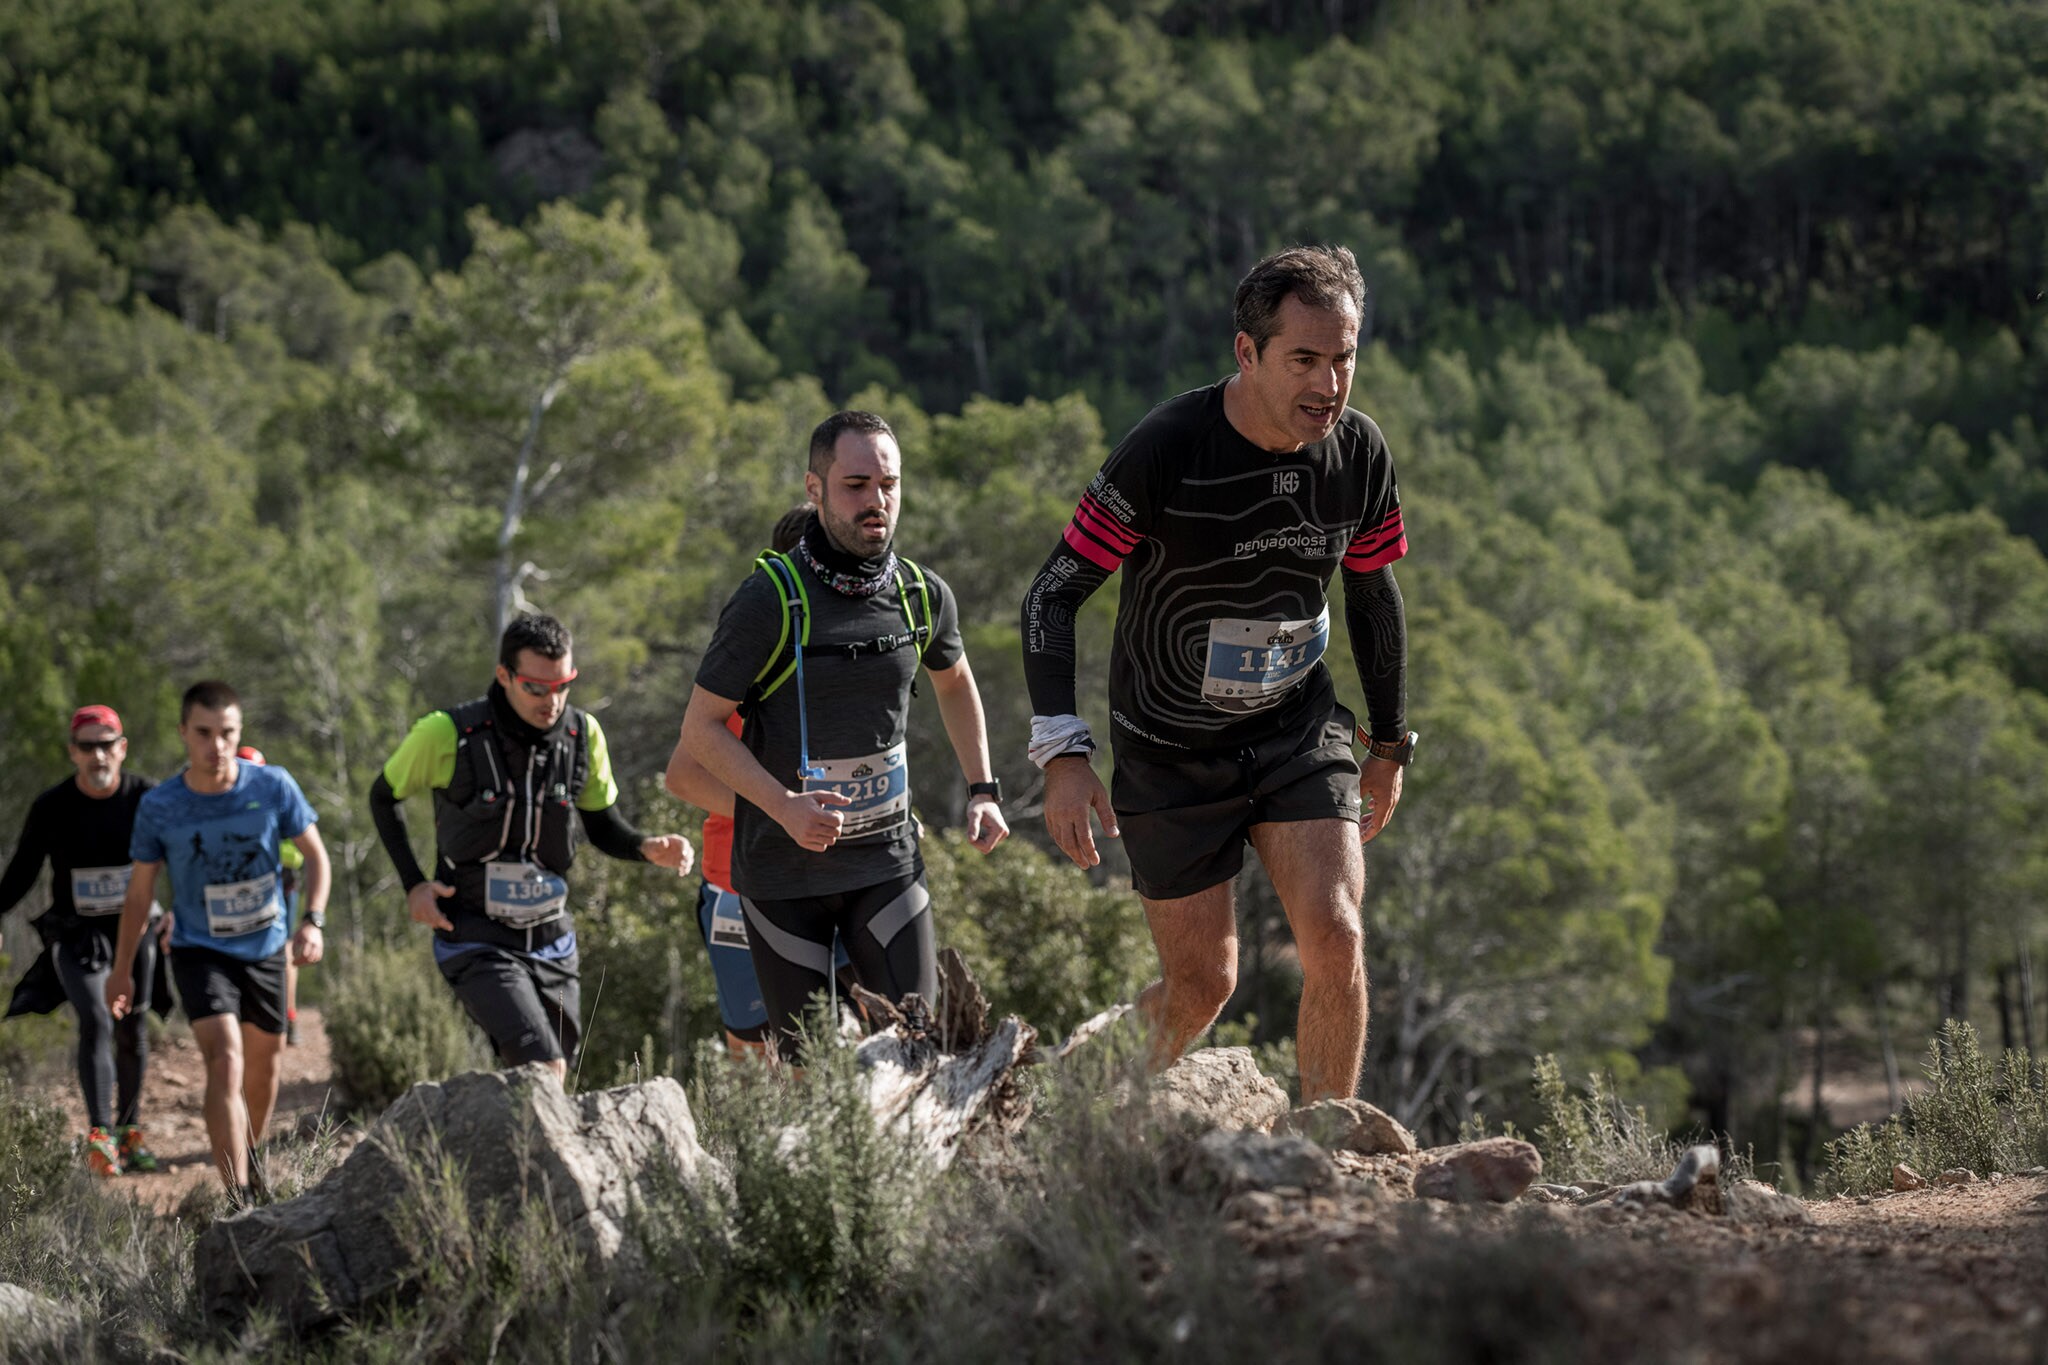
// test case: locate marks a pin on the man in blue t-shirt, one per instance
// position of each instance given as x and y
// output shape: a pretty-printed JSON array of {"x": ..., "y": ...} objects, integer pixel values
[{"x": 218, "y": 827}]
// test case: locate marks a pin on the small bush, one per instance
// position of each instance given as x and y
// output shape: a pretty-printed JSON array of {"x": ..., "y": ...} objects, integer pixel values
[
  {"x": 1598, "y": 1137},
  {"x": 392, "y": 1022},
  {"x": 1975, "y": 1115}
]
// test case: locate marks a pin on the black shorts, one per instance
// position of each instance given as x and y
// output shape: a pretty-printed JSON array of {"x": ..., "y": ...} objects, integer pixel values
[
  {"x": 884, "y": 929},
  {"x": 211, "y": 983},
  {"x": 1186, "y": 817},
  {"x": 529, "y": 1007}
]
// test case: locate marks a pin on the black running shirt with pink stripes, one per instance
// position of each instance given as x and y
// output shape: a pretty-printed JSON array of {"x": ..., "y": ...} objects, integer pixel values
[{"x": 1227, "y": 552}]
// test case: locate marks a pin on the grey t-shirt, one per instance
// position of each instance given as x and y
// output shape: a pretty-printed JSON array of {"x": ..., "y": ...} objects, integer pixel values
[{"x": 858, "y": 704}]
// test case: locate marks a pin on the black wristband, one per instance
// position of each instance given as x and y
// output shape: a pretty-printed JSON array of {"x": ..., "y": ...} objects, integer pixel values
[{"x": 992, "y": 787}]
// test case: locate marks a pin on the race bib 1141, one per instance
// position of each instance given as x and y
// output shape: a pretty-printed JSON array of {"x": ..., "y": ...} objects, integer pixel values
[{"x": 1252, "y": 664}]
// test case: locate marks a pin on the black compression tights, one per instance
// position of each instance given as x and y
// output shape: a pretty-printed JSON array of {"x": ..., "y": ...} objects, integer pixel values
[
  {"x": 887, "y": 932},
  {"x": 112, "y": 1056}
]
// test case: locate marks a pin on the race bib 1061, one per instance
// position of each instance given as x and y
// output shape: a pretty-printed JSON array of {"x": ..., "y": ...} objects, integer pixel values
[
  {"x": 237, "y": 908},
  {"x": 100, "y": 890},
  {"x": 1252, "y": 664},
  {"x": 520, "y": 895},
  {"x": 878, "y": 787}
]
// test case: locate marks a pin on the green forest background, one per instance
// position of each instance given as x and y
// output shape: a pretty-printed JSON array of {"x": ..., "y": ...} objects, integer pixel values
[{"x": 1707, "y": 334}]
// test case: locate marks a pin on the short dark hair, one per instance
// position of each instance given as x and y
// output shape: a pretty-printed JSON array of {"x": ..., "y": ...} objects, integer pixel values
[
  {"x": 1320, "y": 276},
  {"x": 789, "y": 528},
  {"x": 211, "y": 693},
  {"x": 825, "y": 440},
  {"x": 544, "y": 635}
]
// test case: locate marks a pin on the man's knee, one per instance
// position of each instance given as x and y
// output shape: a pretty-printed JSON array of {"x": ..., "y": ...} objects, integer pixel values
[
  {"x": 1333, "y": 944},
  {"x": 1206, "y": 984}
]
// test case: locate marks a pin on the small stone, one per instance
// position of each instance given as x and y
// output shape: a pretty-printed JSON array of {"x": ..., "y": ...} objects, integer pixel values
[
  {"x": 1255, "y": 1206},
  {"x": 1957, "y": 1175},
  {"x": 1863, "y": 1199},
  {"x": 1348, "y": 1125},
  {"x": 1559, "y": 1191},
  {"x": 1904, "y": 1177},
  {"x": 1752, "y": 1201},
  {"x": 1238, "y": 1161},
  {"x": 1494, "y": 1170},
  {"x": 1217, "y": 1088}
]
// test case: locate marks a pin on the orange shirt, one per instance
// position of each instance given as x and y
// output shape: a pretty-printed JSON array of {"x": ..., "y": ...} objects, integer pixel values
[{"x": 718, "y": 836}]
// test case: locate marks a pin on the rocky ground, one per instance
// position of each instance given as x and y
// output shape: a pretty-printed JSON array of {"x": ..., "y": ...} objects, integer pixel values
[{"x": 1952, "y": 1273}]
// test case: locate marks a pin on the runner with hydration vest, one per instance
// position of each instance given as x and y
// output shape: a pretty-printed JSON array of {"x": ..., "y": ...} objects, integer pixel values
[{"x": 819, "y": 651}]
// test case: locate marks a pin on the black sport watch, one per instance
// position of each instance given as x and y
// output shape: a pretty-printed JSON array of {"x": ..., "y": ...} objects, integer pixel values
[
  {"x": 317, "y": 920},
  {"x": 993, "y": 787},
  {"x": 1401, "y": 751}
]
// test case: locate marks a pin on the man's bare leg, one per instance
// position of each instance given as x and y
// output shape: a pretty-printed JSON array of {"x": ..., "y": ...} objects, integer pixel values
[
  {"x": 1319, "y": 871},
  {"x": 1197, "y": 941},
  {"x": 260, "y": 1070},
  {"x": 227, "y": 1116}
]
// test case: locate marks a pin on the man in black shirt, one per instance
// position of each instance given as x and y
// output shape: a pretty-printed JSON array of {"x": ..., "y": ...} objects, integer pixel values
[
  {"x": 819, "y": 651},
  {"x": 1229, "y": 508},
  {"x": 81, "y": 826}
]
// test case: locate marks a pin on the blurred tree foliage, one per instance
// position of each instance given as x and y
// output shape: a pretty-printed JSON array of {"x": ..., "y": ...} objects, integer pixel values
[{"x": 1706, "y": 335}]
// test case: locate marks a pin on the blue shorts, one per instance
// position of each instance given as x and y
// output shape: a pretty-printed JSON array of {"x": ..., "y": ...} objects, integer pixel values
[{"x": 724, "y": 927}]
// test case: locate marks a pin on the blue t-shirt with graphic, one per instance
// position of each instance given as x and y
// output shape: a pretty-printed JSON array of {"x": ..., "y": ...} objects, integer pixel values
[{"x": 222, "y": 853}]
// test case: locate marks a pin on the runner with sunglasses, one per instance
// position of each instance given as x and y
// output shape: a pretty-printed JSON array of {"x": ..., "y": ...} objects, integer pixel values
[
  {"x": 81, "y": 827},
  {"x": 821, "y": 647},
  {"x": 506, "y": 770}
]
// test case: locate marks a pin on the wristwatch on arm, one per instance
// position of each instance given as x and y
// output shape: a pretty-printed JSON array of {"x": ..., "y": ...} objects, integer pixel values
[
  {"x": 1401, "y": 751},
  {"x": 991, "y": 788}
]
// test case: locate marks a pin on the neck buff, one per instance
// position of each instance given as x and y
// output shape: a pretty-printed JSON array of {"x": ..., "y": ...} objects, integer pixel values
[
  {"x": 514, "y": 725},
  {"x": 848, "y": 575}
]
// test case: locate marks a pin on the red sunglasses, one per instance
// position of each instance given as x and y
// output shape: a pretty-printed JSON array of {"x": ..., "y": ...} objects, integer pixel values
[{"x": 543, "y": 687}]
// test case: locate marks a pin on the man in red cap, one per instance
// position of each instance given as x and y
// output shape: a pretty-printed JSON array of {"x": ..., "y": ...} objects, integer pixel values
[{"x": 82, "y": 826}]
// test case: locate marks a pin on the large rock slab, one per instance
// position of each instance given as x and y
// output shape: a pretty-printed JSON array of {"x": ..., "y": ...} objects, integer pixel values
[
  {"x": 1217, "y": 1088},
  {"x": 1492, "y": 1170},
  {"x": 507, "y": 1138},
  {"x": 32, "y": 1323},
  {"x": 1348, "y": 1125},
  {"x": 1237, "y": 1162}
]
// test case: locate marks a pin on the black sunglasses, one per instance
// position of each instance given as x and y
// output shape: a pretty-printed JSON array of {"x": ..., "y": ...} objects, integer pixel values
[{"x": 95, "y": 746}]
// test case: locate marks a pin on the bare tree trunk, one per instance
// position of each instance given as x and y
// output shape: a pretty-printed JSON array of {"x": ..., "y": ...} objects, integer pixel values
[
  {"x": 2026, "y": 974},
  {"x": 1810, "y": 1158},
  {"x": 1884, "y": 1038},
  {"x": 515, "y": 504},
  {"x": 2005, "y": 1028}
]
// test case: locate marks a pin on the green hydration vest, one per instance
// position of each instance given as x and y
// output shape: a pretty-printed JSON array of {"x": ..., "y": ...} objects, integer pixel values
[{"x": 796, "y": 624}]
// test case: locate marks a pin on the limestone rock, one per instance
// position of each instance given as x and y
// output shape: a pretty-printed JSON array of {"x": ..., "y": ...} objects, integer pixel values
[
  {"x": 1217, "y": 1088},
  {"x": 340, "y": 1248},
  {"x": 31, "y": 1322},
  {"x": 1347, "y": 1125},
  {"x": 1959, "y": 1175},
  {"x": 1752, "y": 1201},
  {"x": 1494, "y": 1170},
  {"x": 1237, "y": 1162},
  {"x": 1904, "y": 1177}
]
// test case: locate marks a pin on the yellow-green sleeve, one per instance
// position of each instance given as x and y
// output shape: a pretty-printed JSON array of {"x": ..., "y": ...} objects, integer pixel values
[
  {"x": 427, "y": 758},
  {"x": 288, "y": 854},
  {"x": 600, "y": 789}
]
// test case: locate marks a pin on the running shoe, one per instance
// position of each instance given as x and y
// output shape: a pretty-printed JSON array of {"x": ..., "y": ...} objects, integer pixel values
[
  {"x": 101, "y": 1156},
  {"x": 136, "y": 1158}
]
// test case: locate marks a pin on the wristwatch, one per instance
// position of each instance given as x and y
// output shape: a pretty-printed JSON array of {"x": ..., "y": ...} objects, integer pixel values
[
  {"x": 318, "y": 921},
  {"x": 1401, "y": 751},
  {"x": 993, "y": 787}
]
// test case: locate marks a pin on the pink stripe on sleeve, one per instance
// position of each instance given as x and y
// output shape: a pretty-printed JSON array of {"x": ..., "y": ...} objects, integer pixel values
[{"x": 1086, "y": 546}]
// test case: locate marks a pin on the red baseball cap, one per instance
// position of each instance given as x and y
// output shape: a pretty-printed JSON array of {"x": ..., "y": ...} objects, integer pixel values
[{"x": 95, "y": 715}]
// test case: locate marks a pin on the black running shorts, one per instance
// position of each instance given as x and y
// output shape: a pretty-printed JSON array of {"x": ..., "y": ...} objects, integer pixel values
[
  {"x": 1186, "y": 817},
  {"x": 211, "y": 983},
  {"x": 528, "y": 1007}
]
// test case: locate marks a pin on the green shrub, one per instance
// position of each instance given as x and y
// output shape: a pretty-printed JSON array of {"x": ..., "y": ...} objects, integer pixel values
[
  {"x": 648, "y": 996},
  {"x": 392, "y": 1022},
  {"x": 1976, "y": 1115},
  {"x": 1599, "y": 1137},
  {"x": 1043, "y": 942}
]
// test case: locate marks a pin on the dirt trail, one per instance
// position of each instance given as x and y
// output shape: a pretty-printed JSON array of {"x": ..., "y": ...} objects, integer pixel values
[{"x": 175, "y": 1124}]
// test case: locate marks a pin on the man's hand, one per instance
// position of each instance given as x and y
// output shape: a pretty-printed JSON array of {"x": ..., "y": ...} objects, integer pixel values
[
  {"x": 307, "y": 945},
  {"x": 669, "y": 850},
  {"x": 986, "y": 826},
  {"x": 422, "y": 902},
  {"x": 1071, "y": 790},
  {"x": 809, "y": 818},
  {"x": 163, "y": 933},
  {"x": 1379, "y": 791},
  {"x": 120, "y": 988}
]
